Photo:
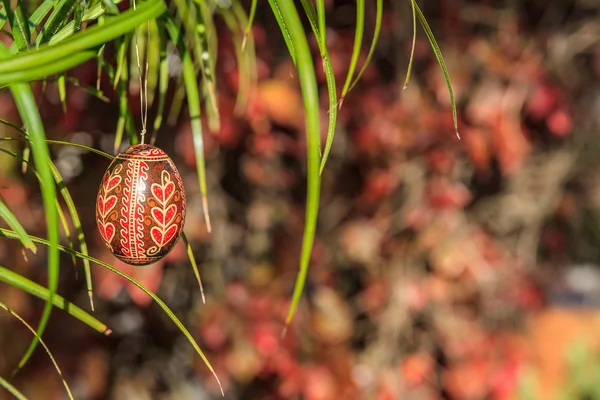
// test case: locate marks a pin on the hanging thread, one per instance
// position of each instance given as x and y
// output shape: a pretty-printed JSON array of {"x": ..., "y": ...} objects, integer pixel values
[{"x": 144, "y": 84}]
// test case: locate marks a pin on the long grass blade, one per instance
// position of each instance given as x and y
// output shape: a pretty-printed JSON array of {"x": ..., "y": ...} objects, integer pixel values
[
  {"x": 238, "y": 43},
  {"x": 322, "y": 25},
  {"x": 152, "y": 54},
  {"x": 30, "y": 115},
  {"x": 195, "y": 38},
  {"x": 284, "y": 29},
  {"x": 61, "y": 214},
  {"x": 192, "y": 258},
  {"x": 26, "y": 156},
  {"x": 176, "y": 103},
  {"x": 110, "y": 6},
  {"x": 311, "y": 13},
  {"x": 249, "y": 24},
  {"x": 163, "y": 83},
  {"x": 207, "y": 66},
  {"x": 92, "y": 14},
  {"x": 414, "y": 44},
  {"x": 15, "y": 225},
  {"x": 46, "y": 55},
  {"x": 440, "y": 60},
  {"x": 121, "y": 59},
  {"x": 154, "y": 297},
  {"x": 9, "y": 124},
  {"x": 78, "y": 228},
  {"x": 80, "y": 8},
  {"x": 235, "y": 19},
  {"x": 378, "y": 19},
  {"x": 62, "y": 91},
  {"x": 17, "y": 316},
  {"x": 193, "y": 98},
  {"x": 11, "y": 389},
  {"x": 60, "y": 14},
  {"x": 32, "y": 74},
  {"x": 19, "y": 24},
  {"x": 36, "y": 17},
  {"x": 20, "y": 282},
  {"x": 121, "y": 83},
  {"x": 3, "y": 17},
  {"x": 80, "y": 146},
  {"x": 358, "y": 37},
  {"x": 308, "y": 84}
]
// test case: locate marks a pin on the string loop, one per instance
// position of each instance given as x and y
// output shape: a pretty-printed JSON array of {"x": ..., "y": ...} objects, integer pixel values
[{"x": 144, "y": 84}]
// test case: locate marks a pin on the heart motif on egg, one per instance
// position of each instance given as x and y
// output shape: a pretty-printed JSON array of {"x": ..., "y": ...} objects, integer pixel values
[{"x": 140, "y": 208}]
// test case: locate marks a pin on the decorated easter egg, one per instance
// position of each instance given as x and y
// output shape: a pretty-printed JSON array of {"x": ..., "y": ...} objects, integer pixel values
[{"x": 140, "y": 209}]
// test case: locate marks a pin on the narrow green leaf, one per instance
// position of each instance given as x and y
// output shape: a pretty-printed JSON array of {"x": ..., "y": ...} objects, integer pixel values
[
  {"x": 120, "y": 80},
  {"x": 65, "y": 226},
  {"x": 311, "y": 13},
  {"x": 80, "y": 8},
  {"x": 310, "y": 95},
  {"x": 38, "y": 15},
  {"x": 207, "y": 67},
  {"x": 60, "y": 14},
  {"x": 3, "y": 18},
  {"x": 62, "y": 91},
  {"x": 92, "y": 14},
  {"x": 135, "y": 72},
  {"x": 193, "y": 98},
  {"x": 93, "y": 91},
  {"x": 329, "y": 75},
  {"x": 190, "y": 254},
  {"x": 7, "y": 33},
  {"x": 176, "y": 103},
  {"x": 249, "y": 24},
  {"x": 110, "y": 7},
  {"x": 59, "y": 210},
  {"x": 20, "y": 282},
  {"x": 19, "y": 24},
  {"x": 80, "y": 146},
  {"x": 66, "y": 195},
  {"x": 358, "y": 37},
  {"x": 154, "y": 297},
  {"x": 153, "y": 60},
  {"x": 18, "y": 129},
  {"x": 378, "y": 19},
  {"x": 121, "y": 58},
  {"x": 163, "y": 83},
  {"x": 414, "y": 43},
  {"x": 33, "y": 74},
  {"x": 97, "y": 35},
  {"x": 208, "y": 11},
  {"x": 17, "y": 316},
  {"x": 235, "y": 18},
  {"x": 195, "y": 38},
  {"x": 284, "y": 29},
  {"x": 15, "y": 225},
  {"x": 322, "y": 25},
  {"x": 440, "y": 60},
  {"x": 29, "y": 114},
  {"x": 11, "y": 389},
  {"x": 26, "y": 155},
  {"x": 333, "y": 108},
  {"x": 99, "y": 65}
]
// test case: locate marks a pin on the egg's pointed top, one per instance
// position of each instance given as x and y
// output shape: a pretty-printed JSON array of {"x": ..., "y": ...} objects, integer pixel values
[{"x": 145, "y": 151}]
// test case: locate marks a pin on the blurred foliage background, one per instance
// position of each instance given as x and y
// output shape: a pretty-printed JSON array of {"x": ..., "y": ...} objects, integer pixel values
[{"x": 442, "y": 268}]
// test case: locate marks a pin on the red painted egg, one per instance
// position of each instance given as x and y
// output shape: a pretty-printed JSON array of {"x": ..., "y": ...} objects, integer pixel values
[{"x": 140, "y": 209}]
